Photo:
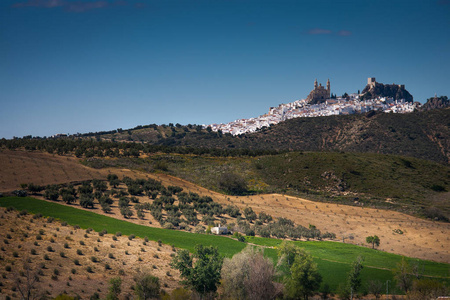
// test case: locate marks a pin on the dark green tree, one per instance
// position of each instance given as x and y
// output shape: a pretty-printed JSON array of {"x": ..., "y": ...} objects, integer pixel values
[
  {"x": 201, "y": 270},
  {"x": 233, "y": 184},
  {"x": 353, "y": 277},
  {"x": 303, "y": 277},
  {"x": 374, "y": 240}
]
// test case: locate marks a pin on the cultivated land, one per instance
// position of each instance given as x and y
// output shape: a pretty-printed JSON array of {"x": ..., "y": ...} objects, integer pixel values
[
  {"x": 333, "y": 258},
  {"x": 421, "y": 238},
  {"x": 64, "y": 269}
]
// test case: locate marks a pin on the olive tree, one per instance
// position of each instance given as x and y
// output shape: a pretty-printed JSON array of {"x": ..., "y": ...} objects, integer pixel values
[
  {"x": 249, "y": 275},
  {"x": 201, "y": 270}
]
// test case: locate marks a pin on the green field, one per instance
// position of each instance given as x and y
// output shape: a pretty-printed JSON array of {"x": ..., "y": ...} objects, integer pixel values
[{"x": 333, "y": 258}]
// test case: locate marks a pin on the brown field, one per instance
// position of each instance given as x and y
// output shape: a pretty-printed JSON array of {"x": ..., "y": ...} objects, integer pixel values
[
  {"x": 422, "y": 239},
  {"x": 21, "y": 234}
]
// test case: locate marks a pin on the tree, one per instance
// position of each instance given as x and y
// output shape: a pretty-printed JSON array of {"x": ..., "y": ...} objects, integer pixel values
[
  {"x": 250, "y": 215},
  {"x": 303, "y": 277},
  {"x": 126, "y": 212},
  {"x": 353, "y": 277},
  {"x": 26, "y": 284},
  {"x": 68, "y": 198},
  {"x": 233, "y": 184},
  {"x": 113, "y": 180},
  {"x": 114, "y": 288},
  {"x": 401, "y": 275},
  {"x": 249, "y": 275},
  {"x": 200, "y": 271},
  {"x": 86, "y": 201},
  {"x": 375, "y": 287},
  {"x": 147, "y": 286},
  {"x": 374, "y": 240}
]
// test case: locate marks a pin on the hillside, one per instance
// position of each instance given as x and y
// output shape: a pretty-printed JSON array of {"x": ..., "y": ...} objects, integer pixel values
[
  {"x": 75, "y": 261},
  {"x": 421, "y": 238},
  {"x": 421, "y": 134},
  {"x": 395, "y": 91},
  {"x": 424, "y": 134}
]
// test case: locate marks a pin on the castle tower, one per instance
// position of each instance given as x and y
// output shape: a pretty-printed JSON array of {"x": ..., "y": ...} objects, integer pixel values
[
  {"x": 328, "y": 88},
  {"x": 315, "y": 84},
  {"x": 371, "y": 81}
]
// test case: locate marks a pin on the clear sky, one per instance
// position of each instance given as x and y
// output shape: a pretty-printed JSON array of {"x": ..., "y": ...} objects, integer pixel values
[{"x": 69, "y": 66}]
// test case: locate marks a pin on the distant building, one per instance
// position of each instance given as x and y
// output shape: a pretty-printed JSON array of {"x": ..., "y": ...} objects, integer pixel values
[
  {"x": 219, "y": 230},
  {"x": 319, "y": 94}
]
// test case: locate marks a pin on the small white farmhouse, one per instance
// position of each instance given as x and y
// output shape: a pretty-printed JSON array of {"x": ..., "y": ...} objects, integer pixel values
[{"x": 219, "y": 230}]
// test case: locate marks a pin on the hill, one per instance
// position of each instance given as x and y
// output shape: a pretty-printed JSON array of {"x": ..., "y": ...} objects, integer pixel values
[
  {"x": 436, "y": 103},
  {"x": 423, "y": 135},
  {"x": 74, "y": 261},
  {"x": 420, "y": 238},
  {"x": 396, "y": 91}
]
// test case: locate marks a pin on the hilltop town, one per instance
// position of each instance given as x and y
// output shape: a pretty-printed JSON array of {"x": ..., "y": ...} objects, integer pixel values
[{"x": 320, "y": 102}]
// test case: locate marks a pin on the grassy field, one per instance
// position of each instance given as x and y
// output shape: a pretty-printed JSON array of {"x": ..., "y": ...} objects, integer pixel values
[
  {"x": 86, "y": 219},
  {"x": 333, "y": 258}
]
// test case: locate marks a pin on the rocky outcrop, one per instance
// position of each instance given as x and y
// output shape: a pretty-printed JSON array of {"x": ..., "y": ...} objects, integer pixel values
[{"x": 396, "y": 91}]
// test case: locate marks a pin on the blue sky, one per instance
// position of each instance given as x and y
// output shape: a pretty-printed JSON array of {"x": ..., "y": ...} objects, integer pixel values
[{"x": 69, "y": 66}]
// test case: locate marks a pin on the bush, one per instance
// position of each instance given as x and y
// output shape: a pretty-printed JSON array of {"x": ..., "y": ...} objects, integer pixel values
[{"x": 233, "y": 184}]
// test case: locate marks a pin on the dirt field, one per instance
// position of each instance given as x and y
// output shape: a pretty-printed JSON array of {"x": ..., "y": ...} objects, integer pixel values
[
  {"x": 122, "y": 256},
  {"x": 420, "y": 238}
]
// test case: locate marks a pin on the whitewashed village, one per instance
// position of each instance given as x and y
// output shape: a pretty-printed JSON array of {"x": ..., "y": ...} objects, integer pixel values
[{"x": 320, "y": 102}]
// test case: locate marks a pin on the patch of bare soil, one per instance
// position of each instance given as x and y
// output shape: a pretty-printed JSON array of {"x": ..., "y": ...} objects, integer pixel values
[
  {"x": 399, "y": 233},
  {"x": 62, "y": 256}
]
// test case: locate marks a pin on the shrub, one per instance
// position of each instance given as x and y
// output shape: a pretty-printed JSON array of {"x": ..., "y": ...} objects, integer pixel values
[
  {"x": 232, "y": 183},
  {"x": 79, "y": 252},
  {"x": 33, "y": 251},
  {"x": 89, "y": 269},
  {"x": 46, "y": 257},
  {"x": 94, "y": 259},
  {"x": 76, "y": 262}
]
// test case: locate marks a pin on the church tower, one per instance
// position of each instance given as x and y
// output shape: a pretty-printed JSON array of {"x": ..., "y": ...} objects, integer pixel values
[
  {"x": 328, "y": 88},
  {"x": 315, "y": 84}
]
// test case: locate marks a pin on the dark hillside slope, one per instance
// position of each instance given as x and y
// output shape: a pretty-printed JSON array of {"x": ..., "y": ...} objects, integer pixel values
[{"x": 421, "y": 134}]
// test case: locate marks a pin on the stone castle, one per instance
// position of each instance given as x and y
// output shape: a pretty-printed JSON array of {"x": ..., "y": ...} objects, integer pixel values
[{"x": 319, "y": 93}]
